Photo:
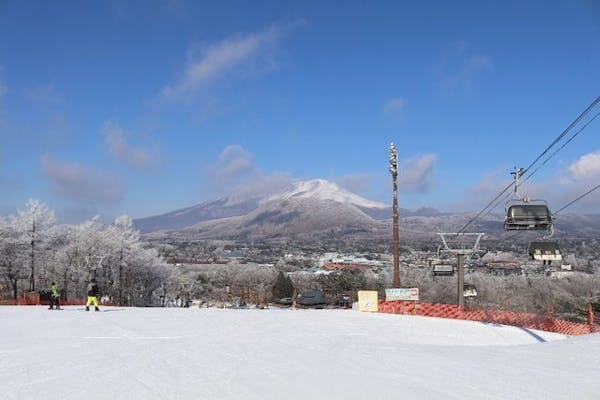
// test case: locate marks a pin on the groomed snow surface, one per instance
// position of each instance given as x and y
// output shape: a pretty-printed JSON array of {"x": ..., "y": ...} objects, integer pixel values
[{"x": 283, "y": 354}]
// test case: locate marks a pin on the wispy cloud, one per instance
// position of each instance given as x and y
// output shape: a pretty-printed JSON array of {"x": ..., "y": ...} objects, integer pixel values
[
  {"x": 234, "y": 163},
  {"x": 223, "y": 59},
  {"x": 416, "y": 173},
  {"x": 559, "y": 190},
  {"x": 394, "y": 106},
  {"x": 43, "y": 95},
  {"x": 459, "y": 68},
  {"x": 73, "y": 181},
  {"x": 356, "y": 183},
  {"x": 576, "y": 179},
  {"x": 235, "y": 173},
  {"x": 136, "y": 157},
  {"x": 586, "y": 167},
  {"x": 488, "y": 187}
]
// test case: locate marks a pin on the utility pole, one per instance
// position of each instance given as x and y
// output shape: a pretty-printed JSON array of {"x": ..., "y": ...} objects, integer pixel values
[{"x": 394, "y": 172}]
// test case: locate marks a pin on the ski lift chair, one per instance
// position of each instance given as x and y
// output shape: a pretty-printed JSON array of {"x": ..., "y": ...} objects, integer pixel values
[
  {"x": 544, "y": 251},
  {"x": 469, "y": 290},
  {"x": 443, "y": 270},
  {"x": 531, "y": 215}
]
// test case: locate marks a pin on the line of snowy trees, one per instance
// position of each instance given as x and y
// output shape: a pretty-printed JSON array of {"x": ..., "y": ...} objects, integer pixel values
[{"x": 35, "y": 251}]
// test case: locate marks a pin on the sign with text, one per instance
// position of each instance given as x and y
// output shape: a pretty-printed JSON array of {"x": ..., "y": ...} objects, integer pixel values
[
  {"x": 368, "y": 300},
  {"x": 402, "y": 294}
]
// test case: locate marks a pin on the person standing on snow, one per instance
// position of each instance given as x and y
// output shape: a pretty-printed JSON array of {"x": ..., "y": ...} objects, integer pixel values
[
  {"x": 92, "y": 296},
  {"x": 54, "y": 296}
]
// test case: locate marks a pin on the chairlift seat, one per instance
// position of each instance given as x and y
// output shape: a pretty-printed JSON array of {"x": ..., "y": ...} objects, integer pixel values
[
  {"x": 469, "y": 290},
  {"x": 443, "y": 270},
  {"x": 526, "y": 216},
  {"x": 544, "y": 251}
]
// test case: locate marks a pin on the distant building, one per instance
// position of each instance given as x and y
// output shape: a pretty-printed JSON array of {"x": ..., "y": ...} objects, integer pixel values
[
  {"x": 559, "y": 274},
  {"x": 503, "y": 268},
  {"x": 341, "y": 259},
  {"x": 347, "y": 266}
]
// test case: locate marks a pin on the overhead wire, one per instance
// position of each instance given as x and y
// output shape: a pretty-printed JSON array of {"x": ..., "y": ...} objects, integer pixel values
[
  {"x": 575, "y": 122},
  {"x": 578, "y": 198},
  {"x": 525, "y": 179},
  {"x": 492, "y": 204},
  {"x": 561, "y": 147}
]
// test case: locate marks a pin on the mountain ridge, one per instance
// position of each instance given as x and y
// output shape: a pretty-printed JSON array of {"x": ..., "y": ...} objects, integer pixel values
[
  {"x": 320, "y": 209},
  {"x": 226, "y": 207}
]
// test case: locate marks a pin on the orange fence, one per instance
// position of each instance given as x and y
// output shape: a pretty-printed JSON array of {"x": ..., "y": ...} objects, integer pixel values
[
  {"x": 33, "y": 299},
  {"x": 526, "y": 320}
]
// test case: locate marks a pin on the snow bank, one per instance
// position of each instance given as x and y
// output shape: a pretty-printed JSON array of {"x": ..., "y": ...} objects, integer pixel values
[{"x": 152, "y": 353}]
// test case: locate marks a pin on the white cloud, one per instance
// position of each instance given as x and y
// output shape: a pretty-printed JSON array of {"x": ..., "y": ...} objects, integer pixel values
[
  {"x": 558, "y": 190},
  {"x": 586, "y": 167},
  {"x": 232, "y": 164},
  {"x": 356, "y": 183},
  {"x": 416, "y": 172},
  {"x": 262, "y": 185},
  {"x": 236, "y": 173},
  {"x": 394, "y": 106},
  {"x": 136, "y": 157},
  {"x": 225, "y": 57},
  {"x": 73, "y": 181},
  {"x": 459, "y": 68}
]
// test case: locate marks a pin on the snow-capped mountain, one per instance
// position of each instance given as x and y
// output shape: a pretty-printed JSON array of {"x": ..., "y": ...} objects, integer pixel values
[
  {"x": 207, "y": 211},
  {"x": 320, "y": 189},
  {"x": 333, "y": 204},
  {"x": 318, "y": 209}
]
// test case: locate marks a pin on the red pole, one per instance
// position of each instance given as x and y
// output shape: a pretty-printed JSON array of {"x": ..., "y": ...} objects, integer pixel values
[
  {"x": 591, "y": 318},
  {"x": 395, "y": 250}
]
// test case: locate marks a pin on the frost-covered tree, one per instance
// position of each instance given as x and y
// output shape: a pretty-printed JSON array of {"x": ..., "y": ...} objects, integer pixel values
[
  {"x": 32, "y": 225},
  {"x": 12, "y": 260},
  {"x": 126, "y": 240},
  {"x": 33, "y": 247}
]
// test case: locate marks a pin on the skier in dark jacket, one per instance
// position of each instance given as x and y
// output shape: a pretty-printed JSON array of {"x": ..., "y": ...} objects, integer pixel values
[
  {"x": 54, "y": 296},
  {"x": 92, "y": 296}
]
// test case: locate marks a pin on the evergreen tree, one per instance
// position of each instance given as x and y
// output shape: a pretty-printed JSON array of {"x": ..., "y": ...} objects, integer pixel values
[{"x": 283, "y": 286}]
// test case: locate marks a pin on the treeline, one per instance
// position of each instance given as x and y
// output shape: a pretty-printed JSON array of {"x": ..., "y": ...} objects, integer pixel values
[
  {"x": 566, "y": 298},
  {"x": 35, "y": 251}
]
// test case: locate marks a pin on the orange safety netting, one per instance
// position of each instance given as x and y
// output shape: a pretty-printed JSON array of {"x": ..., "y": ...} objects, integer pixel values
[{"x": 526, "y": 320}]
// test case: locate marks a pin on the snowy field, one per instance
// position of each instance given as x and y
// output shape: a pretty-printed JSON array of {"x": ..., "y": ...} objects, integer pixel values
[{"x": 167, "y": 353}]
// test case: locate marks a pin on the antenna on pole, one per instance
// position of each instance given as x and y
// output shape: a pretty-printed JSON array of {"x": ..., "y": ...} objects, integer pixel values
[
  {"x": 517, "y": 173},
  {"x": 394, "y": 172}
]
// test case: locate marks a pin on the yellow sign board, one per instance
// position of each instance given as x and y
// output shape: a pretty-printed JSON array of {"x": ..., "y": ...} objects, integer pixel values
[{"x": 367, "y": 300}]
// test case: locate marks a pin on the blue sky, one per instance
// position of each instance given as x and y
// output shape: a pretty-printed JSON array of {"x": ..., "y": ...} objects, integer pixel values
[{"x": 145, "y": 107}]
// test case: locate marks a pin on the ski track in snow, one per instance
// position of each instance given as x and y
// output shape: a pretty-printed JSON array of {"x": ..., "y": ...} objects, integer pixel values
[{"x": 167, "y": 353}]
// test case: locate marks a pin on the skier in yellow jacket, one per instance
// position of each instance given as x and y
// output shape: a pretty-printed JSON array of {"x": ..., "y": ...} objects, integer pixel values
[
  {"x": 92, "y": 296},
  {"x": 54, "y": 296}
]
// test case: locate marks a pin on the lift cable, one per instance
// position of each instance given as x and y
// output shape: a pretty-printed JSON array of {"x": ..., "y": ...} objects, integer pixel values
[
  {"x": 492, "y": 204},
  {"x": 489, "y": 206},
  {"x": 562, "y": 146},
  {"x": 579, "y": 118},
  {"x": 579, "y": 198},
  {"x": 569, "y": 204},
  {"x": 546, "y": 160}
]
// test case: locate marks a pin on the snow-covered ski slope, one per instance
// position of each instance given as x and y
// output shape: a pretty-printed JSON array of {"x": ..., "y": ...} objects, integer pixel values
[{"x": 166, "y": 353}]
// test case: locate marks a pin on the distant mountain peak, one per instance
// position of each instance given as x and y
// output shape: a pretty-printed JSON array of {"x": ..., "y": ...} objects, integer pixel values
[{"x": 321, "y": 189}]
